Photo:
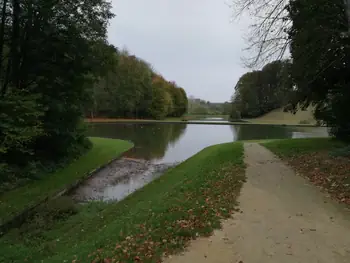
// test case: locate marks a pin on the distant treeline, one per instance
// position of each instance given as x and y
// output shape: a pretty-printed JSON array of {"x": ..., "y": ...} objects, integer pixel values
[
  {"x": 261, "y": 91},
  {"x": 202, "y": 107},
  {"x": 131, "y": 89}
]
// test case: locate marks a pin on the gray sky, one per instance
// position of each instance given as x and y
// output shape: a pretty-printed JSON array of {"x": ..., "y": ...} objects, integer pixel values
[{"x": 191, "y": 42}]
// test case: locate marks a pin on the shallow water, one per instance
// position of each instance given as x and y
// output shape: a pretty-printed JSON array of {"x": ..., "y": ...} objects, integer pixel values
[{"x": 118, "y": 180}]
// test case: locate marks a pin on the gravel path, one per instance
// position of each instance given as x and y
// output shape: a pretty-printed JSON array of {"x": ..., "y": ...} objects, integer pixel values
[{"x": 283, "y": 219}]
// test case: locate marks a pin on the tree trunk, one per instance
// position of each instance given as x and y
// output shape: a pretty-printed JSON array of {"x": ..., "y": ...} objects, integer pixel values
[
  {"x": 2, "y": 35},
  {"x": 15, "y": 52}
]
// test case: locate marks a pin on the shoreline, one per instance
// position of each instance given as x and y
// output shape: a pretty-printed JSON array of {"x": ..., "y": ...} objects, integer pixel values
[
  {"x": 138, "y": 121},
  {"x": 19, "y": 215}
]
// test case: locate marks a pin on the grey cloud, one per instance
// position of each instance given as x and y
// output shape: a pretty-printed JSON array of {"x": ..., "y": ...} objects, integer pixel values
[{"x": 190, "y": 42}]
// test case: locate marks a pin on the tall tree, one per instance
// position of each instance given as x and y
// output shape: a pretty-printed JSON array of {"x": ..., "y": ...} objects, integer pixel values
[
  {"x": 259, "y": 92},
  {"x": 47, "y": 56},
  {"x": 321, "y": 61}
]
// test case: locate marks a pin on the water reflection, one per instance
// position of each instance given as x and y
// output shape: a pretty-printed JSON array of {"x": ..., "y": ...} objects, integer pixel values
[
  {"x": 169, "y": 143},
  {"x": 260, "y": 132},
  {"x": 151, "y": 140}
]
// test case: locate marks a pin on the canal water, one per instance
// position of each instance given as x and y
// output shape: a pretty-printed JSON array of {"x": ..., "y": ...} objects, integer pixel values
[
  {"x": 169, "y": 143},
  {"x": 159, "y": 146}
]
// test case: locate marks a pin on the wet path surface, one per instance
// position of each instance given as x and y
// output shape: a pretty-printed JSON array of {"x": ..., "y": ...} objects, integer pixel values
[{"x": 118, "y": 180}]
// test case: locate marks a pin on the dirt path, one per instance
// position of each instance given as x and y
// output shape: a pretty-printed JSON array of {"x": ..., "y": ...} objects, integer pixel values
[{"x": 283, "y": 219}]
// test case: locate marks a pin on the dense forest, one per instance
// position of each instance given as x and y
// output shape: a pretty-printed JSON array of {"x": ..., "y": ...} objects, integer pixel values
[
  {"x": 131, "y": 88},
  {"x": 57, "y": 67},
  {"x": 317, "y": 34}
]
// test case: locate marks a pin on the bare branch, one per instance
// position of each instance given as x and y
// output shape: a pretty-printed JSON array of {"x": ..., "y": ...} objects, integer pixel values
[{"x": 267, "y": 39}]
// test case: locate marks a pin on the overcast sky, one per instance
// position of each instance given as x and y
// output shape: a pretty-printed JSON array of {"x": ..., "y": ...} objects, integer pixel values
[{"x": 191, "y": 42}]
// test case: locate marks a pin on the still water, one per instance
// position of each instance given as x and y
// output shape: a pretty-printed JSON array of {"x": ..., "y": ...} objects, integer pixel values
[{"x": 171, "y": 143}]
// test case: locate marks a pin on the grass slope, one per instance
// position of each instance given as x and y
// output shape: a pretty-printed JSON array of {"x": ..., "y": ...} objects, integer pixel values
[
  {"x": 17, "y": 200},
  {"x": 324, "y": 162},
  {"x": 186, "y": 202},
  {"x": 279, "y": 117}
]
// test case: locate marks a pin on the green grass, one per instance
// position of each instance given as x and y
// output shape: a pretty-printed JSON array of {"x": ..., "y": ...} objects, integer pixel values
[
  {"x": 291, "y": 147},
  {"x": 187, "y": 201},
  {"x": 278, "y": 116},
  {"x": 103, "y": 150}
]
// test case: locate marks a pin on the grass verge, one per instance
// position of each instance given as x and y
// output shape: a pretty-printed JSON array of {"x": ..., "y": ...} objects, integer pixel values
[
  {"x": 278, "y": 116},
  {"x": 160, "y": 219},
  {"x": 323, "y": 161},
  {"x": 19, "y": 199}
]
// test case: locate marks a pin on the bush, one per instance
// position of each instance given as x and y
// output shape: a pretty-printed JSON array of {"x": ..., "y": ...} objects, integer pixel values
[{"x": 20, "y": 126}]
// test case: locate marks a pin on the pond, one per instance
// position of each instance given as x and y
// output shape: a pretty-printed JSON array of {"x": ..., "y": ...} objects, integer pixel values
[{"x": 171, "y": 143}]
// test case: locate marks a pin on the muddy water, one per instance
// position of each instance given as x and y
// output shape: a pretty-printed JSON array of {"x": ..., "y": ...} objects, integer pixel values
[{"x": 118, "y": 180}]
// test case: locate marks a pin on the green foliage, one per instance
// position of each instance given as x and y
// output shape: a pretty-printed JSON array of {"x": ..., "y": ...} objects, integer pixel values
[
  {"x": 130, "y": 88},
  {"x": 202, "y": 107},
  {"x": 321, "y": 58},
  {"x": 50, "y": 52},
  {"x": 235, "y": 114},
  {"x": 20, "y": 126},
  {"x": 161, "y": 101},
  {"x": 259, "y": 92}
]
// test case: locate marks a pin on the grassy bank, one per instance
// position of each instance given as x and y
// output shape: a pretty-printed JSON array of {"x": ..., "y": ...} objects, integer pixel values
[
  {"x": 186, "y": 202},
  {"x": 278, "y": 116},
  {"x": 324, "y": 162},
  {"x": 103, "y": 150}
]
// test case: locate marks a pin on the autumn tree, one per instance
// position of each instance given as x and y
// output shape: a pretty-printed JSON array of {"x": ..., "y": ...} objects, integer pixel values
[{"x": 130, "y": 88}]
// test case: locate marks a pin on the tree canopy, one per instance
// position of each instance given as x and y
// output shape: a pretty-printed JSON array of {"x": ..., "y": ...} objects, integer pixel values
[
  {"x": 258, "y": 92},
  {"x": 321, "y": 61},
  {"x": 130, "y": 88}
]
